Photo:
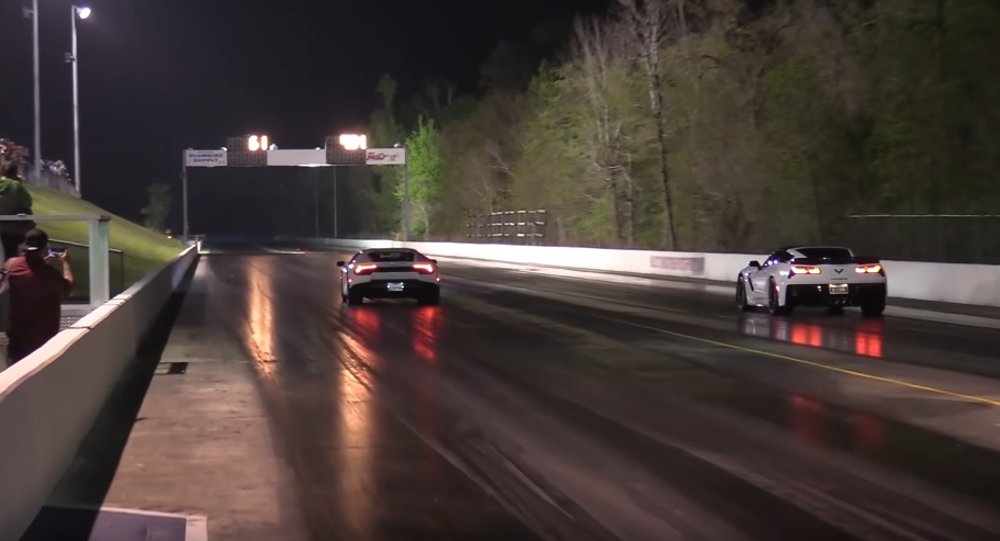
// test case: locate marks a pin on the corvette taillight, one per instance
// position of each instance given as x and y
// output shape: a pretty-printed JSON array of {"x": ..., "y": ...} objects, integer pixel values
[
  {"x": 874, "y": 268},
  {"x": 424, "y": 268},
  {"x": 362, "y": 269},
  {"x": 804, "y": 269}
]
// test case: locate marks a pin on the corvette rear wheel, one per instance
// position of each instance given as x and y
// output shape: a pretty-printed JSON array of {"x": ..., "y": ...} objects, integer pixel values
[
  {"x": 873, "y": 309},
  {"x": 772, "y": 301},
  {"x": 741, "y": 296}
]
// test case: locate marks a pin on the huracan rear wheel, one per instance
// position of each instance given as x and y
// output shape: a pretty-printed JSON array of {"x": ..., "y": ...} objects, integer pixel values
[{"x": 430, "y": 299}]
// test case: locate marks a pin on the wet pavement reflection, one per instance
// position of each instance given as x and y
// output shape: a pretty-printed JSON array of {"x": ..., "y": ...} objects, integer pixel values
[
  {"x": 388, "y": 413},
  {"x": 360, "y": 473},
  {"x": 858, "y": 336}
]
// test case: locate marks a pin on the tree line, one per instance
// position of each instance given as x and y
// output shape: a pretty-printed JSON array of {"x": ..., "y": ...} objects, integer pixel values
[{"x": 709, "y": 125}]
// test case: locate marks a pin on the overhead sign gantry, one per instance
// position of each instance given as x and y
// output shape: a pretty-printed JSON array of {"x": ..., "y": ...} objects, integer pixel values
[{"x": 257, "y": 150}]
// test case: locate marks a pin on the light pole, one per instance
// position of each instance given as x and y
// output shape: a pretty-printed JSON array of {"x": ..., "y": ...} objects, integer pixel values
[
  {"x": 336, "y": 231},
  {"x": 38, "y": 91},
  {"x": 72, "y": 58},
  {"x": 406, "y": 193}
]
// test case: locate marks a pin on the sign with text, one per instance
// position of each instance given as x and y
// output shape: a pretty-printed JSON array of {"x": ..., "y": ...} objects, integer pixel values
[
  {"x": 206, "y": 158},
  {"x": 385, "y": 156},
  {"x": 297, "y": 158}
]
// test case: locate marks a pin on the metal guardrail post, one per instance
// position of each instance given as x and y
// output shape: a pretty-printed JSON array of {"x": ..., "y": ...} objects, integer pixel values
[{"x": 100, "y": 273}]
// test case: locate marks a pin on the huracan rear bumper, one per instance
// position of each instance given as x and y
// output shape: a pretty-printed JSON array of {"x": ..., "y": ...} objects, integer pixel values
[
  {"x": 380, "y": 289},
  {"x": 819, "y": 295}
]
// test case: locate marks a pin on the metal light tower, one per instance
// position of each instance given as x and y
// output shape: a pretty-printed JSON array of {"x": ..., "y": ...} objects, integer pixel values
[
  {"x": 406, "y": 192},
  {"x": 72, "y": 58},
  {"x": 38, "y": 92}
]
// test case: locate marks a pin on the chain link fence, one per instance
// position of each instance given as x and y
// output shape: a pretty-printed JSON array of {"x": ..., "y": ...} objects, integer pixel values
[
  {"x": 53, "y": 180},
  {"x": 943, "y": 238}
]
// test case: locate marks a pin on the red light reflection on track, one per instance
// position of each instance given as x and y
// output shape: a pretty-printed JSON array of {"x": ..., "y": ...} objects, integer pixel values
[
  {"x": 869, "y": 345},
  {"x": 366, "y": 321},
  {"x": 868, "y": 338},
  {"x": 865, "y": 339},
  {"x": 807, "y": 419},
  {"x": 807, "y": 334},
  {"x": 426, "y": 324},
  {"x": 869, "y": 434}
]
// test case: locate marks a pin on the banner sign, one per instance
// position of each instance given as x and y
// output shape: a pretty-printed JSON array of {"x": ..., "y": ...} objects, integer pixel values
[
  {"x": 385, "y": 156},
  {"x": 297, "y": 158},
  {"x": 206, "y": 158}
]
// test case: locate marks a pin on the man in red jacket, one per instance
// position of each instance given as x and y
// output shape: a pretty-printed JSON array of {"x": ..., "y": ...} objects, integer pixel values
[{"x": 36, "y": 294}]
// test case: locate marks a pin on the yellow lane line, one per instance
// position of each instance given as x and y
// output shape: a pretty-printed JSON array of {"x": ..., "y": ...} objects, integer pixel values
[{"x": 814, "y": 364}]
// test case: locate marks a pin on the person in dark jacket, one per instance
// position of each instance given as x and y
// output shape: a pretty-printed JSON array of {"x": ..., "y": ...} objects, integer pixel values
[
  {"x": 36, "y": 294},
  {"x": 14, "y": 199}
]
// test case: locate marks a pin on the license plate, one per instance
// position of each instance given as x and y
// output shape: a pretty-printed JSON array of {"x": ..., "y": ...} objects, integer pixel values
[
  {"x": 395, "y": 287},
  {"x": 838, "y": 289}
]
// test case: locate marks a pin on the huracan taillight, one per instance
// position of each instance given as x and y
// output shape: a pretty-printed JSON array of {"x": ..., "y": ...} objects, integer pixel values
[
  {"x": 424, "y": 268},
  {"x": 362, "y": 269}
]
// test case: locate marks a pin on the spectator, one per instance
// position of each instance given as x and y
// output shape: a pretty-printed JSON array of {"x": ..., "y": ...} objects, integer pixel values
[
  {"x": 36, "y": 294},
  {"x": 14, "y": 199}
]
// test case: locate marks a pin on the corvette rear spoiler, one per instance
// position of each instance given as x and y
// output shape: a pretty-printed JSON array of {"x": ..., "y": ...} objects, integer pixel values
[
  {"x": 857, "y": 260},
  {"x": 865, "y": 260}
]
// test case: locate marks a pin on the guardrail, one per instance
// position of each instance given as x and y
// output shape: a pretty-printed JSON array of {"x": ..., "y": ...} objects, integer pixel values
[
  {"x": 100, "y": 284},
  {"x": 50, "y": 399},
  {"x": 941, "y": 282},
  {"x": 119, "y": 265}
]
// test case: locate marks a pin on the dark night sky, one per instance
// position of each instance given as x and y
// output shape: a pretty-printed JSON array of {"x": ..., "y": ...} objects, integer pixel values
[{"x": 157, "y": 76}]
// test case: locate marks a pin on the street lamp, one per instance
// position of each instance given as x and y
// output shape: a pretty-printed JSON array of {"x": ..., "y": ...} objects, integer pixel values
[
  {"x": 33, "y": 13},
  {"x": 406, "y": 192},
  {"x": 353, "y": 141},
  {"x": 83, "y": 13}
]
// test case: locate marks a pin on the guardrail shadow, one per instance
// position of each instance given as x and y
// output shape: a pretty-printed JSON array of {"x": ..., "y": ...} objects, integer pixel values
[{"x": 74, "y": 506}]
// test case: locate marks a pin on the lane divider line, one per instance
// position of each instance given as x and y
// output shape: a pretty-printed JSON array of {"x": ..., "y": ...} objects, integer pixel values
[{"x": 814, "y": 364}]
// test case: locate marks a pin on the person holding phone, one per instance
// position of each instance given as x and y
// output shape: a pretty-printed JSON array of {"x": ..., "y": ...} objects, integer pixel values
[{"x": 36, "y": 293}]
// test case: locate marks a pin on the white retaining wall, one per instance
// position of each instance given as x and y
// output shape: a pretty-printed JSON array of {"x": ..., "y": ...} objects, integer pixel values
[
  {"x": 50, "y": 399},
  {"x": 943, "y": 282}
]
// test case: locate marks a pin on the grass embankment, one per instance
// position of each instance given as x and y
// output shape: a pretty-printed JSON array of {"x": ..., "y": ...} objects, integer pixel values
[{"x": 144, "y": 250}]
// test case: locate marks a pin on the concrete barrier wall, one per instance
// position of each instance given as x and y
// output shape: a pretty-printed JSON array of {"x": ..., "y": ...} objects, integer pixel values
[
  {"x": 943, "y": 282},
  {"x": 50, "y": 400}
]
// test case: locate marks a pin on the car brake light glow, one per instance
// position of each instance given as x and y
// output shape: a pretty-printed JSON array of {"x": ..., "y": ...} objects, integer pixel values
[
  {"x": 802, "y": 269},
  {"x": 362, "y": 269},
  {"x": 868, "y": 269},
  {"x": 424, "y": 268}
]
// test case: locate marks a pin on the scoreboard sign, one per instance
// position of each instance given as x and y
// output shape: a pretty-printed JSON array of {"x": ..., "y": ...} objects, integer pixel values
[{"x": 337, "y": 153}]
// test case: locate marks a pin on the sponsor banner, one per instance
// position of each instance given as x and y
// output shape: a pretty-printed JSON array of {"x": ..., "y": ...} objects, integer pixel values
[
  {"x": 385, "y": 156},
  {"x": 205, "y": 158},
  {"x": 694, "y": 265},
  {"x": 296, "y": 158}
]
